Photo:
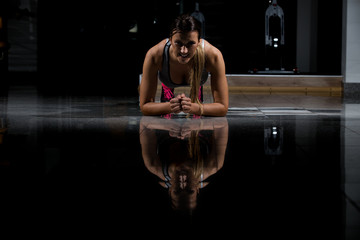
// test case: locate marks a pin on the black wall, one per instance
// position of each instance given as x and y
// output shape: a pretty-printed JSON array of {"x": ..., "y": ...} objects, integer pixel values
[
  {"x": 329, "y": 37},
  {"x": 85, "y": 45}
]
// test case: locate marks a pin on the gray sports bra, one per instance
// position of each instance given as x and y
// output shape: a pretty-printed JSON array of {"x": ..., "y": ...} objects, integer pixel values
[{"x": 164, "y": 74}]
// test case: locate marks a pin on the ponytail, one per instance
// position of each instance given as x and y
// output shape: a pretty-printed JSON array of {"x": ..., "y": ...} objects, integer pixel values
[{"x": 196, "y": 73}]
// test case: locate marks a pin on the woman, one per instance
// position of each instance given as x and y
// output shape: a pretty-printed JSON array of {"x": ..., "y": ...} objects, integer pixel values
[{"x": 184, "y": 60}]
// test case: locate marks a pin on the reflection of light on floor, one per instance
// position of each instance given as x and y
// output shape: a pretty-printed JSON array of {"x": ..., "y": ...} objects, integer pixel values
[{"x": 280, "y": 111}]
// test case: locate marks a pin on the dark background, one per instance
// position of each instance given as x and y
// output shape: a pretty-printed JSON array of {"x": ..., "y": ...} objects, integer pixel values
[{"x": 86, "y": 46}]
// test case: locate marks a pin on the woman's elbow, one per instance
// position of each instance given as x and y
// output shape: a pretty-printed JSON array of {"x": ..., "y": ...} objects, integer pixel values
[
  {"x": 223, "y": 112},
  {"x": 144, "y": 110},
  {"x": 220, "y": 111}
]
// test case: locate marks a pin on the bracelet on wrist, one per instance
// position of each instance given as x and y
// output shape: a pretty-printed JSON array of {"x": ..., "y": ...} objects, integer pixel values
[{"x": 201, "y": 109}]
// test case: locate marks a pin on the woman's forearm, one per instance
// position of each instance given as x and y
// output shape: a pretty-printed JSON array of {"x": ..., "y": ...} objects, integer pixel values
[
  {"x": 155, "y": 108},
  {"x": 214, "y": 109}
]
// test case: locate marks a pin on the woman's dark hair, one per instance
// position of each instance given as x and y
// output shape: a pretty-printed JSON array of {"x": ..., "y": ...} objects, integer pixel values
[{"x": 185, "y": 23}]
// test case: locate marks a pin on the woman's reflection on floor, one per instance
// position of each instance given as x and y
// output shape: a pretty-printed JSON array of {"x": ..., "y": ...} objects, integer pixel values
[{"x": 183, "y": 153}]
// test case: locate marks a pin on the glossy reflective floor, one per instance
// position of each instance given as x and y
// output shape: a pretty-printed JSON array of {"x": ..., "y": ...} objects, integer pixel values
[{"x": 278, "y": 165}]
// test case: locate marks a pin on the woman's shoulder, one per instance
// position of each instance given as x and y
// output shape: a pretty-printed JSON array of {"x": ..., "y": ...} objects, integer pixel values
[
  {"x": 158, "y": 49},
  {"x": 155, "y": 53},
  {"x": 212, "y": 53},
  {"x": 211, "y": 50}
]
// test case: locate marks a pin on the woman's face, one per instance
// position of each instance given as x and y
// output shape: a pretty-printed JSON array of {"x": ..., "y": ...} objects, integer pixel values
[{"x": 184, "y": 45}]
